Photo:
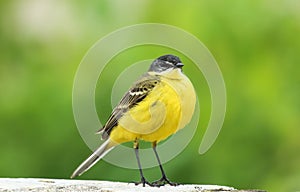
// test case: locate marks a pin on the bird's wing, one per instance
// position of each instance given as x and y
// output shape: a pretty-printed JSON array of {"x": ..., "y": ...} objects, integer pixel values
[{"x": 132, "y": 97}]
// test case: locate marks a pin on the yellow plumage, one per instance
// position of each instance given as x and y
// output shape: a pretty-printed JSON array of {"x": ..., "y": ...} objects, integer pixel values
[
  {"x": 159, "y": 104},
  {"x": 160, "y": 114}
]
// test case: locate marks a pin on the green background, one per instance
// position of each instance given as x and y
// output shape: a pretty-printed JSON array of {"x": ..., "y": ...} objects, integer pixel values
[{"x": 256, "y": 44}]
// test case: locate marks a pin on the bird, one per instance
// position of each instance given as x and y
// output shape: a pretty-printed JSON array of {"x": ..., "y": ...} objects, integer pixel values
[{"x": 156, "y": 106}]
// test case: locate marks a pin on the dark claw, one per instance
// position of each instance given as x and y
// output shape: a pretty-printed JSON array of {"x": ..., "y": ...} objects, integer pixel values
[
  {"x": 144, "y": 182},
  {"x": 163, "y": 181}
]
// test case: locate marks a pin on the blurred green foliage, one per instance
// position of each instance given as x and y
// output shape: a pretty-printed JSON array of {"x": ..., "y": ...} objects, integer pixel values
[{"x": 255, "y": 42}]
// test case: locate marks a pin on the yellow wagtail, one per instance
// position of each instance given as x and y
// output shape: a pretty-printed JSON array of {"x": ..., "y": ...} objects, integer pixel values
[{"x": 161, "y": 102}]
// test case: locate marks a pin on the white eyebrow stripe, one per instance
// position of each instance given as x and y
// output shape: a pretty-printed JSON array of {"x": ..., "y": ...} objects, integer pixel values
[{"x": 168, "y": 62}]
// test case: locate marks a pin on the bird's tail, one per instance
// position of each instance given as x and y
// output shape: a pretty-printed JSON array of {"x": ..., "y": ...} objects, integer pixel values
[{"x": 94, "y": 158}]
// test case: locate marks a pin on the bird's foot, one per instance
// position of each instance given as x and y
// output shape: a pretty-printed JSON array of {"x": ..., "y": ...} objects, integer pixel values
[
  {"x": 144, "y": 182},
  {"x": 163, "y": 181}
]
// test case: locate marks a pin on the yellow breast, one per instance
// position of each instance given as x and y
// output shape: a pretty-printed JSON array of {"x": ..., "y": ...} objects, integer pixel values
[{"x": 168, "y": 108}]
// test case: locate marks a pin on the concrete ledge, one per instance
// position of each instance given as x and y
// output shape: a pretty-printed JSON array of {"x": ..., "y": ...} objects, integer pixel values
[{"x": 64, "y": 185}]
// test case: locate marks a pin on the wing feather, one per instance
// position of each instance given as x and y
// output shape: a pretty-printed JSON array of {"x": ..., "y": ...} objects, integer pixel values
[{"x": 131, "y": 98}]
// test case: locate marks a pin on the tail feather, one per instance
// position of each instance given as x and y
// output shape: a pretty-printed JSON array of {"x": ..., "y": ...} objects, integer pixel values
[{"x": 94, "y": 158}]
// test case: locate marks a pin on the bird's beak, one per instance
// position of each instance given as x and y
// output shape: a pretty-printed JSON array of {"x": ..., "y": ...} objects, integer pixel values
[{"x": 179, "y": 65}]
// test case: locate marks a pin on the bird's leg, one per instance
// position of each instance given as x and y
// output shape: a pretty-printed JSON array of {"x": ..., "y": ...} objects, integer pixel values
[
  {"x": 143, "y": 180},
  {"x": 164, "y": 180}
]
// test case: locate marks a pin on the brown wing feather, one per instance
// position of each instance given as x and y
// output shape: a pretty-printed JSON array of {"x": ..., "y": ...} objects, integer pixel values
[{"x": 132, "y": 97}]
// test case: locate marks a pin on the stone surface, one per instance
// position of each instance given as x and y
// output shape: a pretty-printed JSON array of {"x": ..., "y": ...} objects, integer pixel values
[{"x": 64, "y": 185}]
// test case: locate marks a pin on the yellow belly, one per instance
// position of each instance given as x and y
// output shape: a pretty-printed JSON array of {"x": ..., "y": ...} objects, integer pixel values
[{"x": 168, "y": 108}]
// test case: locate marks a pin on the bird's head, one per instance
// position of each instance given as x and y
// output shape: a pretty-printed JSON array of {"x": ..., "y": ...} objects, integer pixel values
[{"x": 166, "y": 63}]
